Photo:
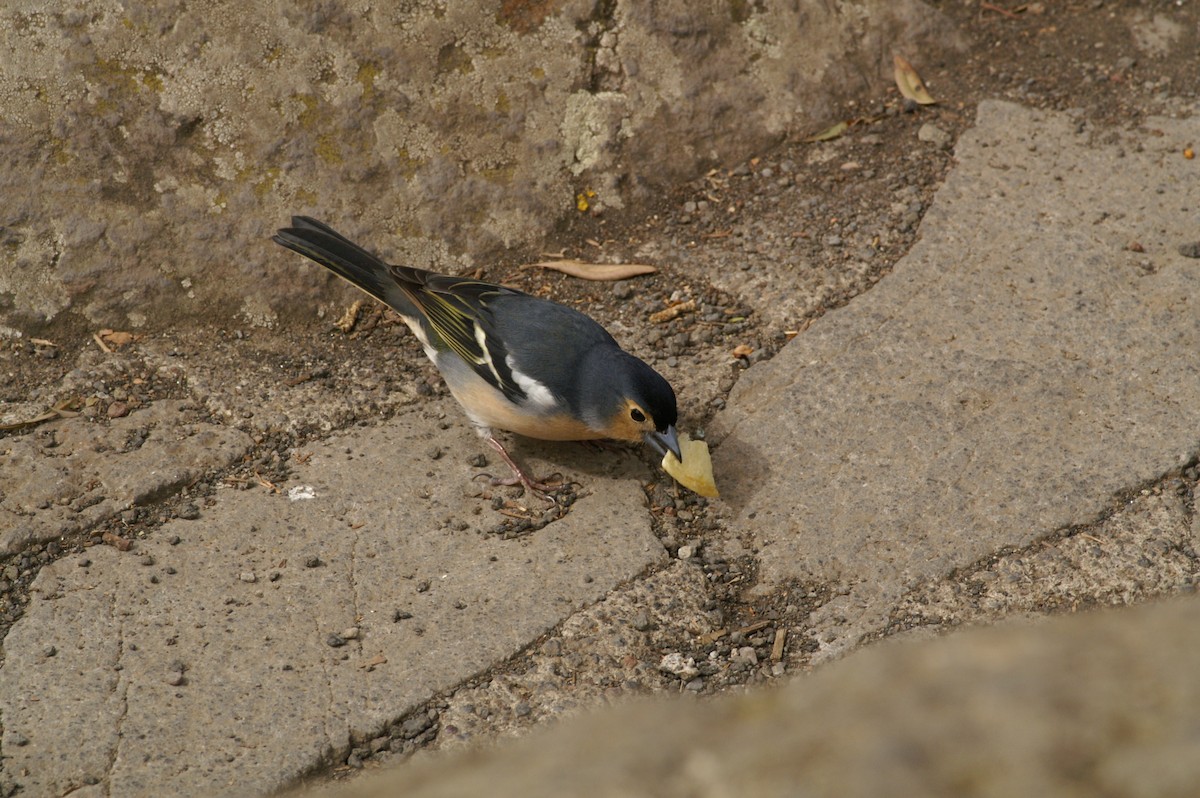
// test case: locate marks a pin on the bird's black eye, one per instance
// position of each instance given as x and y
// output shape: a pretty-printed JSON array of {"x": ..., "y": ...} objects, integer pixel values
[{"x": 637, "y": 415}]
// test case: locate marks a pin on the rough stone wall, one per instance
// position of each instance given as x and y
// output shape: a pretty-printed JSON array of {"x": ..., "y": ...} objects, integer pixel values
[{"x": 147, "y": 150}]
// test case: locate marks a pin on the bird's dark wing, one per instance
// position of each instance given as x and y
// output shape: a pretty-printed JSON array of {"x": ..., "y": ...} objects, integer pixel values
[{"x": 458, "y": 311}]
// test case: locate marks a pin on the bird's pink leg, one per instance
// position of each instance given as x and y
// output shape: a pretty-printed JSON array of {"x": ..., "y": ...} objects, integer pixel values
[{"x": 520, "y": 477}]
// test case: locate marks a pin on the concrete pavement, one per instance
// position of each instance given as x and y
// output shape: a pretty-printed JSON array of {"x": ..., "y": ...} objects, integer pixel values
[
  {"x": 1029, "y": 361},
  {"x": 1024, "y": 369}
]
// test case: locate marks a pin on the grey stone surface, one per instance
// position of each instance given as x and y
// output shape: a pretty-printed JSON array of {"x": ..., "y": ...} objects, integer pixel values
[
  {"x": 72, "y": 474},
  {"x": 207, "y": 666},
  {"x": 168, "y": 140},
  {"x": 1145, "y": 550},
  {"x": 236, "y": 609},
  {"x": 1023, "y": 365},
  {"x": 1099, "y": 704}
]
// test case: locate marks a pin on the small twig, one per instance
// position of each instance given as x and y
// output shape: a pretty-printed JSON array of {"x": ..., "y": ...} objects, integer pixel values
[
  {"x": 266, "y": 483},
  {"x": 100, "y": 343},
  {"x": 777, "y": 647},
  {"x": 754, "y": 627},
  {"x": 711, "y": 637},
  {"x": 986, "y": 6}
]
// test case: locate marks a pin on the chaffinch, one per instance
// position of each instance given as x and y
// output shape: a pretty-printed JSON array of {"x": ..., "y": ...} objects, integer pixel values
[{"x": 513, "y": 361}]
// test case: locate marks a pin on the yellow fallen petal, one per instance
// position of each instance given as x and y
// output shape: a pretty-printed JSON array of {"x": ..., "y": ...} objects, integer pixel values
[{"x": 695, "y": 472}]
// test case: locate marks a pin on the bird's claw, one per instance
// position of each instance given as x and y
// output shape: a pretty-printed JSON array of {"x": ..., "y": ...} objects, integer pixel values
[{"x": 543, "y": 490}]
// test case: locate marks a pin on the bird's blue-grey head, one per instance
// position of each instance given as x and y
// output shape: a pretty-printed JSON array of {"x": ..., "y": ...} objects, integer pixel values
[{"x": 631, "y": 401}]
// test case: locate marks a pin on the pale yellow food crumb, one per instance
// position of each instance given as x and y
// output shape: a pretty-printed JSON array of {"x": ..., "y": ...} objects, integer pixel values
[{"x": 695, "y": 472}]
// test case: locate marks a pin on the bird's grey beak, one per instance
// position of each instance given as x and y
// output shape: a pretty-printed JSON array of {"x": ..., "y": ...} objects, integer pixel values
[{"x": 663, "y": 442}]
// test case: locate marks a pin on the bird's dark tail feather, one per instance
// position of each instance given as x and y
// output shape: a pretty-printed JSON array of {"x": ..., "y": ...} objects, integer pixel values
[{"x": 321, "y": 243}]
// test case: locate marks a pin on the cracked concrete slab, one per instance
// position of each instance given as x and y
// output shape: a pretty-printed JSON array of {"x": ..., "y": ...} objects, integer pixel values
[
  {"x": 71, "y": 475},
  {"x": 234, "y": 653},
  {"x": 1083, "y": 705},
  {"x": 1145, "y": 550},
  {"x": 1031, "y": 358}
]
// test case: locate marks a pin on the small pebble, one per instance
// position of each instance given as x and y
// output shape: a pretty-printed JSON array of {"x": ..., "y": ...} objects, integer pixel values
[
  {"x": 1190, "y": 249},
  {"x": 350, "y": 633},
  {"x": 335, "y": 641},
  {"x": 934, "y": 135},
  {"x": 401, "y": 615},
  {"x": 312, "y": 562},
  {"x": 248, "y": 576},
  {"x": 49, "y": 651},
  {"x": 176, "y": 679},
  {"x": 415, "y": 725},
  {"x": 189, "y": 512},
  {"x": 147, "y": 560},
  {"x": 84, "y": 562}
]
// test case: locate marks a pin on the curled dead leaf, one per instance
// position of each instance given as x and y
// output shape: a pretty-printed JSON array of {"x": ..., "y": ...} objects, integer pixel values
[
  {"x": 909, "y": 82},
  {"x": 113, "y": 339},
  {"x": 594, "y": 271},
  {"x": 829, "y": 133},
  {"x": 742, "y": 350}
]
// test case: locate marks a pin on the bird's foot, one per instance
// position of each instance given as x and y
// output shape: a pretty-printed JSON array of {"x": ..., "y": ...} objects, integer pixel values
[
  {"x": 534, "y": 487},
  {"x": 540, "y": 489}
]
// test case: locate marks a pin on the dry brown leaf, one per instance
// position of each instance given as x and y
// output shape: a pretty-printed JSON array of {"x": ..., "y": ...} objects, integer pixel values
[
  {"x": 673, "y": 312},
  {"x": 909, "y": 82},
  {"x": 742, "y": 350},
  {"x": 117, "y": 338},
  {"x": 30, "y": 422},
  {"x": 116, "y": 541},
  {"x": 594, "y": 271},
  {"x": 830, "y": 133},
  {"x": 350, "y": 317}
]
